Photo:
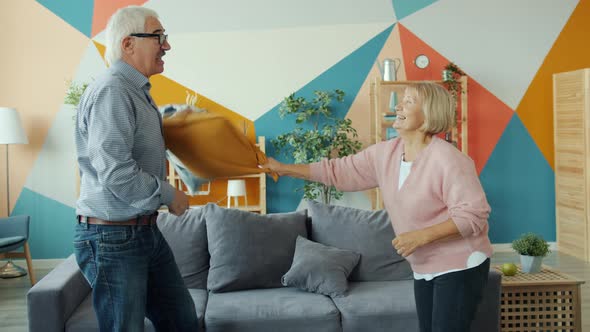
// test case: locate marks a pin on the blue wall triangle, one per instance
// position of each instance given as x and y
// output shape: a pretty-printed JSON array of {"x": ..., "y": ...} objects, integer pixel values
[
  {"x": 404, "y": 8},
  {"x": 51, "y": 230},
  {"x": 348, "y": 75},
  {"x": 78, "y": 13},
  {"x": 520, "y": 187}
]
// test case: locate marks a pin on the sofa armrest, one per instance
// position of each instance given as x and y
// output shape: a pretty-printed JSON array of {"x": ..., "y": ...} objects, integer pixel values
[
  {"x": 52, "y": 300},
  {"x": 487, "y": 317}
]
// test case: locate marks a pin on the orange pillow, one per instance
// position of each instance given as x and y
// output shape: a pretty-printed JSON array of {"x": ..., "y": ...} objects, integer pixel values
[{"x": 210, "y": 146}]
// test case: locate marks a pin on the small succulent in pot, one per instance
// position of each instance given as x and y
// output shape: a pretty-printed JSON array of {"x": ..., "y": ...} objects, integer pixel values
[{"x": 532, "y": 248}]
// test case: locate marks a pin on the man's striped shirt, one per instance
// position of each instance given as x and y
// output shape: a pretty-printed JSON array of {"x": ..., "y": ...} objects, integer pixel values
[{"x": 120, "y": 148}]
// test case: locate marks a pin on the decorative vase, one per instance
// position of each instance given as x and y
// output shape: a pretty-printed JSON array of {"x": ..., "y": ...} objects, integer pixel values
[{"x": 531, "y": 264}]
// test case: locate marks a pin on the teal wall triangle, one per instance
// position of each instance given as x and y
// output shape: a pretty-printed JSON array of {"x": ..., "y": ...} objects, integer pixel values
[
  {"x": 78, "y": 13},
  {"x": 348, "y": 75},
  {"x": 520, "y": 187},
  {"x": 51, "y": 229},
  {"x": 403, "y": 8}
]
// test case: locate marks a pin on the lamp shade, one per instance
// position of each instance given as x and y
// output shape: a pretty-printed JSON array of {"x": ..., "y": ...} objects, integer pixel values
[
  {"x": 236, "y": 188},
  {"x": 11, "y": 129}
]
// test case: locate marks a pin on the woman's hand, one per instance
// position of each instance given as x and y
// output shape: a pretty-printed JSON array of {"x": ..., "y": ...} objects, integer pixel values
[
  {"x": 273, "y": 165},
  {"x": 300, "y": 171},
  {"x": 407, "y": 243}
]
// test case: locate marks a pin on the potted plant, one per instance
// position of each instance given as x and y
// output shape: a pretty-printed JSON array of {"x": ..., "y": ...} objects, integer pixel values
[
  {"x": 532, "y": 248},
  {"x": 317, "y": 135},
  {"x": 450, "y": 77},
  {"x": 74, "y": 93},
  {"x": 451, "y": 74}
]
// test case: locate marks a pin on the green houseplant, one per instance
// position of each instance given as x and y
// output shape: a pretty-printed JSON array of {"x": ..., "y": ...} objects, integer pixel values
[
  {"x": 532, "y": 248},
  {"x": 317, "y": 135},
  {"x": 74, "y": 93},
  {"x": 451, "y": 75}
]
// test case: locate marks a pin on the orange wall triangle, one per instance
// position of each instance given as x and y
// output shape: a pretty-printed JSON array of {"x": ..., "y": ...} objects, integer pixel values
[
  {"x": 103, "y": 9},
  {"x": 570, "y": 51},
  {"x": 100, "y": 48},
  {"x": 487, "y": 115}
]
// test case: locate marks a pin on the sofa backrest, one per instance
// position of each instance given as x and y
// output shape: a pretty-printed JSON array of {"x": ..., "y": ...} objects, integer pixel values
[
  {"x": 187, "y": 237},
  {"x": 250, "y": 250},
  {"x": 366, "y": 232}
]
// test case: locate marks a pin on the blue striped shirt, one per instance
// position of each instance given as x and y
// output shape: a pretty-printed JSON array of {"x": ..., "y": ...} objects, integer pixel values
[{"x": 120, "y": 147}]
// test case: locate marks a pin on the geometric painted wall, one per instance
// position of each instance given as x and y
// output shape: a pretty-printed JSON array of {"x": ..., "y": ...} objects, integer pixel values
[{"x": 244, "y": 59}]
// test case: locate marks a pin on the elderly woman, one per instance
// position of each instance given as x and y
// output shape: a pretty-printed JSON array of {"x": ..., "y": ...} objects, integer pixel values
[{"x": 435, "y": 201}]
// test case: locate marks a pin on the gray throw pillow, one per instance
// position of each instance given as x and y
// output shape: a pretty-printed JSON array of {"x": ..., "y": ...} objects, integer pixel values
[
  {"x": 250, "y": 250},
  {"x": 187, "y": 237},
  {"x": 368, "y": 233},
  {"x": 318, "y": 268}
]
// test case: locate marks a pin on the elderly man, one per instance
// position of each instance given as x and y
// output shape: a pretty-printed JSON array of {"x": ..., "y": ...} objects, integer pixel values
[{"x": 121, "y": 155}]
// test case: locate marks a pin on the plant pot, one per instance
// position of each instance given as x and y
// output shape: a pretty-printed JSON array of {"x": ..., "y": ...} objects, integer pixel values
[{"x": 530, "y": 264}]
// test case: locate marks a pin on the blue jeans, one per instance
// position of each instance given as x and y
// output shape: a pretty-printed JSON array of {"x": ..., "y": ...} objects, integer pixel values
[
  {"x": 448, "y": 303},
  {"x": 133, "y": 275}
]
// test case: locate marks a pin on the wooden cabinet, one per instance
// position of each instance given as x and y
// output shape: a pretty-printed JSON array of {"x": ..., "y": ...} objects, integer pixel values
[
  {"x": 546, "y": 301},
  {"x": 571, "y": 122},
  {"x": 385, "y": 95},
  {"x": 216, "y": 190}
]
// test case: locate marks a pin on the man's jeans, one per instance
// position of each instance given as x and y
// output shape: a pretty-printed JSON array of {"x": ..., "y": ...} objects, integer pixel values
[{"x": 133, "y": 275}]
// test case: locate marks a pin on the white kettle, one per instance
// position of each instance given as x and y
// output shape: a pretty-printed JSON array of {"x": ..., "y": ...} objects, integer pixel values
[{"x": 389, "y": 69}]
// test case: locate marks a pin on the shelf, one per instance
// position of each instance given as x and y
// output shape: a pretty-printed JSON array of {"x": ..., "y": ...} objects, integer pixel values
[
  {"x": 256, "y": 184},
  {"x": 250, "y": 208},
  {"x": 246, "y": 176}
]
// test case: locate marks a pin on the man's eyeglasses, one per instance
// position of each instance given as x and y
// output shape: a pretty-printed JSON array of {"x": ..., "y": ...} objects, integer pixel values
[{"x": 162, "y": 38}]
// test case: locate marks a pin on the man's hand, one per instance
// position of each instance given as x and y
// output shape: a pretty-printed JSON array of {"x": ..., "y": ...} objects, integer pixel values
[
  {"x": 180, "y": 203},
  {"x": 407, "y": 243}
]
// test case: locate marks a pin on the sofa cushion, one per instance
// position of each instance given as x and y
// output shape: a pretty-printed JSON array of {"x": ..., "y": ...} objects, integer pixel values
[
  {"x": 250, "y": 250},
  {"x": 318, "y": 268},
  {"x": 368, "y": 233},
  {"x": 83, "y": 319},
  {"x": 270, "y": 310},
  {"x": 187, "y": 237},
  {"x": 378, "y": 306}
]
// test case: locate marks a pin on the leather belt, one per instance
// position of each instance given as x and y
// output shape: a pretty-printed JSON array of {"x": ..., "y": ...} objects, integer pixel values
[{"x": 138, "y": 221}]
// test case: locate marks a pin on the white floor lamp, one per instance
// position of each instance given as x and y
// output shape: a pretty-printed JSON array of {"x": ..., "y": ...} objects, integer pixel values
[{"x": 11, "y": 132}]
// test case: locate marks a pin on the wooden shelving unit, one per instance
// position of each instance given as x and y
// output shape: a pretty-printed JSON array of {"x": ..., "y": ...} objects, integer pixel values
[
  {"x": 255, "y": 184},
  {"x": 382, "y": 102}
]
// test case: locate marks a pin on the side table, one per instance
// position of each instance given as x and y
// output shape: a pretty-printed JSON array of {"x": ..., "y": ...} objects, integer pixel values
[{"x": 546, "y": 301}]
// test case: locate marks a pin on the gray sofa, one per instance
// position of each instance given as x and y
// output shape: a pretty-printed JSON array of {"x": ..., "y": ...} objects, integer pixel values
[{"x": 325, "y": 269}]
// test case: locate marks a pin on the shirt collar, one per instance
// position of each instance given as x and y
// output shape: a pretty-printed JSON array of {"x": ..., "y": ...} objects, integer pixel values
[{"x": 136, "y": 78}]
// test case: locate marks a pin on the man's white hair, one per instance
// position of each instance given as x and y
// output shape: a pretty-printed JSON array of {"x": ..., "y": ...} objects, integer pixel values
[{"x": 124, "y": 22}]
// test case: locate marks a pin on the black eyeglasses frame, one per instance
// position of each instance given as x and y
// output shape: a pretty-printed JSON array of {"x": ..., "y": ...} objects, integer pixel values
[{"x": 162, "y": 38}]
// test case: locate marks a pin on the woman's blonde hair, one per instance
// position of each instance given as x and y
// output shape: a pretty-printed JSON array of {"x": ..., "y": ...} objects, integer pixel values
[{"x": 438, "y": 107}]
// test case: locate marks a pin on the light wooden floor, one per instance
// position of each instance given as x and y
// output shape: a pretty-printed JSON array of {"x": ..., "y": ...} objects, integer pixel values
[
  {"x": 13, "y": 306},
  {"x": 13, "y": 301}
]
